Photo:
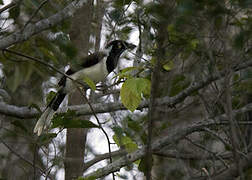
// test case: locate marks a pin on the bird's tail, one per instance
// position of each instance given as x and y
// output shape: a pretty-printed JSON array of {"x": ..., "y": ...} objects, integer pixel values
[
  {"x": 44, "y": 120},
  {"x": 46, "y": 117}
]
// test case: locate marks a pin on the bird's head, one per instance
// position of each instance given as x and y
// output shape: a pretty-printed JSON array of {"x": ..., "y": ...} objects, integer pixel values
[
  {"x": 118, "y": 46},
  {"x": 114, "y": 49}
]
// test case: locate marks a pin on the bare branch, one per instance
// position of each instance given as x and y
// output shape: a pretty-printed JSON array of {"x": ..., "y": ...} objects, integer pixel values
[
  {"x": 166, "y": 153},
  {"x": 22, "y": 158},
  {"x": 19, "y": 112},
  {"x": 190, "y": 156},
  {"x": 25, "y": 112},
  {"x": 32, "y": 29},
  {"x": 233, "y": 171},
  {"x": 8, "y": 6},
  {"x": 175, "y": 135},
  {"x": 233, "y": 129},
  {"x": 102, "y": 157},
  {"x": 35, "y": 13}
]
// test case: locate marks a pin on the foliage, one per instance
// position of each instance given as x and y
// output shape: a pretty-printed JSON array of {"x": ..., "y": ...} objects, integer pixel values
[
  {"x": 192, "y": 39},
  {"x": 90, "y": 83},
  {"x": 133, "y": 90},
  {"x": 125, "y": 142},
  {"x": 68, "y": 120}
]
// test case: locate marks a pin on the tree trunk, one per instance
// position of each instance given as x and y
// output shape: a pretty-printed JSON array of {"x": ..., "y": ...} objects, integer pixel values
[
  {"x": 76, "y": 138},
  {"x": 80, "y": 33}
]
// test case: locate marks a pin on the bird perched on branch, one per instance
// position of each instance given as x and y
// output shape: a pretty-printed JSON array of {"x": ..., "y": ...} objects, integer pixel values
[{"x": 95, "y": 67}]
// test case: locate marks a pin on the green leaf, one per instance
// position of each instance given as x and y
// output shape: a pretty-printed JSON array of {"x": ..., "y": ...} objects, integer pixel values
[
  {"x": 131, "y": 147},
  {"x": 115, "y": 14},
  {"x": 129, "y": 69},
  {"x": 194, "y": 43},
  {"x": 117, "y": 140},
  {"x": 125, "y": 73},
  {"x": 35, "y": 106},
  {"x": 46, "y": 138},
  {"x": 67, "y": 120},
  {"x": 131, "y": 92},
  {"x": 69, "y": 49},
  {"x": 66, "y": 46},
  {"x": 134, "y": 125},
  {"x": 88, "y": 178},
  {"x": 137, "y": 127},
  {"x": 168, "y": 66},
  {"x": 50, "y": 96},
  {"x": 129, "y": 95},
  {"x": 173, "y": 34},
  {"x": 125, "y": 142},
  {"x": 48, "y": 54},
  {"x": 126, "y": 30},
  {"x": 90, "y": 83},
  {"x": 137, "y": 162},
  {"x": 179, "y": 83},
  {"x": 120, "y": 3},
  {"x": 118, "y": 131},
  {"x": 20, "y": 125}
]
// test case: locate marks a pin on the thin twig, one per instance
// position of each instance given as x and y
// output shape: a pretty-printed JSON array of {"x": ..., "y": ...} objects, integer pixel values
[
  {"x": 100, "y": 125},
  {"x": 205, "y": 149},
  {"x": 121, "y": 16},
  {"x": 102, "y": 157},
  {"x": 19, "y": 156},
  {"x": 8, "y": 6},
  {"x": 175, "y": 135},
  {"x": 217, "y": 136},
  {"x": 35, "y": 13},
  {"x": 233, "y": 128},
  {"x": 42, "y": 25},
  {"x": 43, "y": 63}
]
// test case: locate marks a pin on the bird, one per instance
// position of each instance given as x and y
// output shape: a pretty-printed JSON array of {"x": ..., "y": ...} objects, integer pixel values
[{"x": 96, "y": 66}]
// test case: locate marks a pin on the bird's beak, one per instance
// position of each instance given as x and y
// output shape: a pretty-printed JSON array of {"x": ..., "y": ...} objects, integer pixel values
[{"x": 130, "y": 46}]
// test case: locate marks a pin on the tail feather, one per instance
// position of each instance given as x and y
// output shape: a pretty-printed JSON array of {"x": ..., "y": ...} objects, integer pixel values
[{"x": 44, "y": 121}]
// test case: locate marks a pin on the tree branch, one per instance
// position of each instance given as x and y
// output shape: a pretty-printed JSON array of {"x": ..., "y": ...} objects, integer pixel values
[
  {"x": 233, "y": 171},
  {"x": 102, "y": 157},
  {"x": 8, "y": 6},
  {"x": 18, "y": 112},
  {"x": 32, "y": 29},
  {"x": 43, "y": 172},
  {"x": 166, "y": 154},
  {"x": 25, "y": 112},
  {"x": 174, "y": 136}
]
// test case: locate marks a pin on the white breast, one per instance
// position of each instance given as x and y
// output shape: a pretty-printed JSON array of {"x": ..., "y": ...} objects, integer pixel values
[{"x": 96, "y": 73}]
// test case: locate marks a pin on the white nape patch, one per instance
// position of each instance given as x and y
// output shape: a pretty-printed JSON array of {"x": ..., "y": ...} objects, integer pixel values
[{"x": 107, "y": 50}]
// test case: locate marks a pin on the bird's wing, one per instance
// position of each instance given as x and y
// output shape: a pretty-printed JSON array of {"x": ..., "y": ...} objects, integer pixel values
[
  {"x": 92, "y": 59},
  {"x": 62, "y": 80},
  {"x": 86, "y": 62}
]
